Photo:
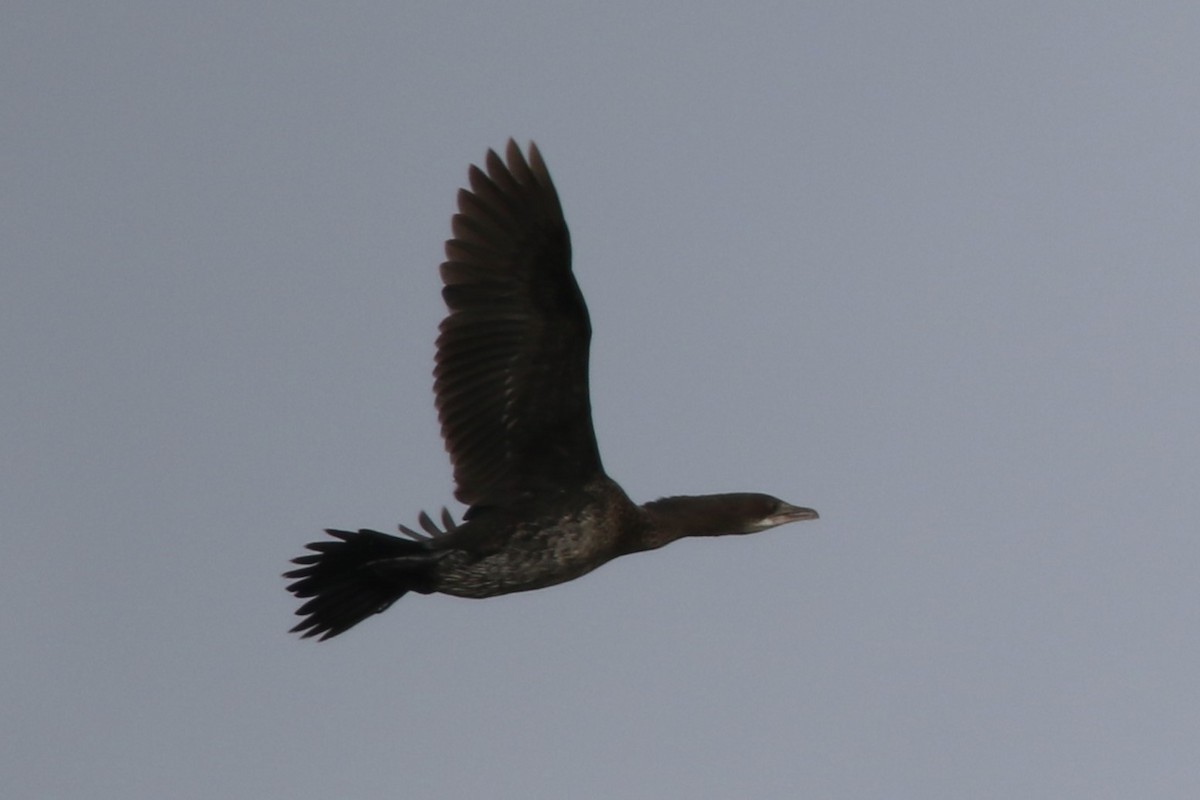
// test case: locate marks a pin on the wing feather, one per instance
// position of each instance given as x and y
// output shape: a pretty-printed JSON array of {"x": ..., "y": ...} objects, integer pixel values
[{"x": 511, "y": 379}]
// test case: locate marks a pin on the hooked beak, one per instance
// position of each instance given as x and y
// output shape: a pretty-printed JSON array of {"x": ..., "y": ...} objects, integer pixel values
[{"x": 789, "y": 513}]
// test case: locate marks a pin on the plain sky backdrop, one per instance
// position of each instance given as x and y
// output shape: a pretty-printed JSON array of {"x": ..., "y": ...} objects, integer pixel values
[{"x": 932, "y": 268}]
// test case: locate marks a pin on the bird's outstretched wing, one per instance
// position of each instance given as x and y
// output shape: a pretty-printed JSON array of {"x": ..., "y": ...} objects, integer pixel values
[{"x": 512, "y": 357}]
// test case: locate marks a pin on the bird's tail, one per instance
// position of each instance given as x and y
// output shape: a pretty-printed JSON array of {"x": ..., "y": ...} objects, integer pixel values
[{"x": 354, "y": 575}]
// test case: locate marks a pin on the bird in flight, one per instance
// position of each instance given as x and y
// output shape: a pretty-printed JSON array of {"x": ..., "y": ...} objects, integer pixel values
[{"x": 511, "y": 389}]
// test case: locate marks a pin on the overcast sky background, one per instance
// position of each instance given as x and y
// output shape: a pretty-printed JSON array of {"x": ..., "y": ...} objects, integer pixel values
[{"x": 931, "y": 268}]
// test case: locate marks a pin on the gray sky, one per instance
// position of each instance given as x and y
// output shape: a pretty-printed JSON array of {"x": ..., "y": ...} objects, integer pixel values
[{"x": 931, "y": 268}]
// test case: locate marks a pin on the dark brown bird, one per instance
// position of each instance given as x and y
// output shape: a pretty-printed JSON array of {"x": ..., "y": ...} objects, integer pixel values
[{"x": 511, "y": 386}]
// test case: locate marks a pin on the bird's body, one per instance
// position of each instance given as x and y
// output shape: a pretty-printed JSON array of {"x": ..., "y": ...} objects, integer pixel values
[
  {"x": 511, "y": 387},
  {"x": 554, "y": 540}
]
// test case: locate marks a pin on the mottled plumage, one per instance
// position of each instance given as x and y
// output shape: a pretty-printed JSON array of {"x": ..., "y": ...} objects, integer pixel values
[{"x": 511, "y": 389}]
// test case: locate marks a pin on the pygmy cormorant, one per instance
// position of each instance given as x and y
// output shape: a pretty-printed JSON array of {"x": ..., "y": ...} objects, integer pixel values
[{"x": 511, "y": 386}]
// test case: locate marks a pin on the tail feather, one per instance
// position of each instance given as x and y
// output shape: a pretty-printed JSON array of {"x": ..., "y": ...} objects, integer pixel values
[
  {"x": 429, "y": 528},
  {"x": 354, "y": 575}
]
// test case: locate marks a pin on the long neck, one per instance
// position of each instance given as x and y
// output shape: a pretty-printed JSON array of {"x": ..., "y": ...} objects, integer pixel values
[{"x": 674, "y": 518}]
